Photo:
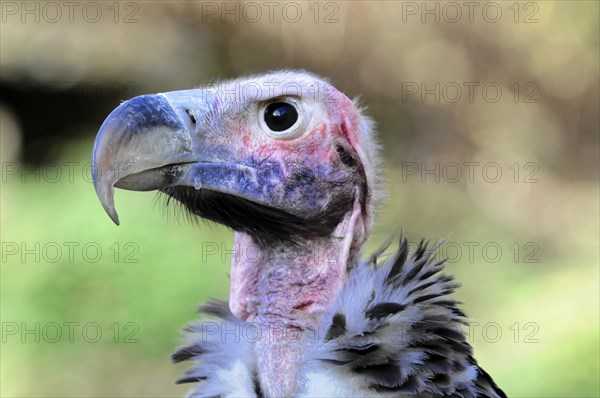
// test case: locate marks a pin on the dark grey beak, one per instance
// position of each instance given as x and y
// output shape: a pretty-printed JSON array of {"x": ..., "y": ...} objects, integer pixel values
[{"x": 145, "y": 144}]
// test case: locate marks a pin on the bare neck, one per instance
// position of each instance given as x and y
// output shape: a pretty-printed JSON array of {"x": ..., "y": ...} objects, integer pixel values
[{"x": 282, "y": 290}]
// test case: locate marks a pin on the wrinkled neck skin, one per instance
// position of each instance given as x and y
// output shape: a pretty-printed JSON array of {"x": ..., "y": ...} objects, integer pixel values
[{"x": 282, "y": 290}]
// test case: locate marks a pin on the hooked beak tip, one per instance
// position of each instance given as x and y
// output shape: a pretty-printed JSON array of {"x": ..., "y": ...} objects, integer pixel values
[
  {"x": 113, "y": 216},
  {"x": 106, "y": 195}
]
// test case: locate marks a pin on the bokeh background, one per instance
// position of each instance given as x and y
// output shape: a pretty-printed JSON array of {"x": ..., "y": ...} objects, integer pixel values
[{"x": 524, "y": 243}]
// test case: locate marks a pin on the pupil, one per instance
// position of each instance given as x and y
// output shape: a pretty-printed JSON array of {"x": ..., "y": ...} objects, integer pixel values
[{"x": 280, "y": 116}]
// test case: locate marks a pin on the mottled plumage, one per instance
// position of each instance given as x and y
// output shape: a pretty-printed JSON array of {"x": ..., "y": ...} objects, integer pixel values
[{"x": 393, "y": 330}]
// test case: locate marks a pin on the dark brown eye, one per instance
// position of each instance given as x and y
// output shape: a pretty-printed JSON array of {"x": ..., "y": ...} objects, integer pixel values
[{"x": 280, "y": 116}]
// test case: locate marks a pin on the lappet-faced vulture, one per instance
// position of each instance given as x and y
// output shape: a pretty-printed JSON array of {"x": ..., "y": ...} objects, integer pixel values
[{"x": 291, "y": 165}]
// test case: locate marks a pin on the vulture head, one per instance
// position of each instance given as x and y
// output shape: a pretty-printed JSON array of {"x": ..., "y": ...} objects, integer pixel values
[
  {"x": 289, "y": 163},
  {"x": 284, "y": 159}
]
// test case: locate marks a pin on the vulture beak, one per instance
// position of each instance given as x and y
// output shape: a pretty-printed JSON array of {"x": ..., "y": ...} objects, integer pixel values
[
  {"x": 216, "y": 161},
  {"x": 147, "y": 143}
]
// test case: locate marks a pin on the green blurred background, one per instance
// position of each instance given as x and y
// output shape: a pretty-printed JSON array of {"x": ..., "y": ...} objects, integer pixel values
[{"x": 531, "y": 279}]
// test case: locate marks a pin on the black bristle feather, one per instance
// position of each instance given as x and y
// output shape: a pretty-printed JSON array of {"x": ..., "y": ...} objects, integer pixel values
[
  {"x": 191, "y": 379},
  {"x": 421, "y": 287},
  {"x": 399, "y": 260},
  {"x": 186, "y": 353},
  {"x": 361, "y": 351},
  {"x": 338, "y": 327},
  {"x": 384, "y": 309},
  {"x": 269, "y": 226}
]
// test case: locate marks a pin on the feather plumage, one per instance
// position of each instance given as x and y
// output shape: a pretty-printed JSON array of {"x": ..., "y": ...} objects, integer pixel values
[{"x": 393, "y": 330}]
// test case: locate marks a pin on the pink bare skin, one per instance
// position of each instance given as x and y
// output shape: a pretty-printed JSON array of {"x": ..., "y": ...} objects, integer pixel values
[{"x": 282, "y": 293}]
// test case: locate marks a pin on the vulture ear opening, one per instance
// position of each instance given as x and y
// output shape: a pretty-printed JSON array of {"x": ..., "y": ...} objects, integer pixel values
[
  {"x": 359, "y": 133},
  {"x": 353, "y": 230},
  {"x": 345, "y": 157}
]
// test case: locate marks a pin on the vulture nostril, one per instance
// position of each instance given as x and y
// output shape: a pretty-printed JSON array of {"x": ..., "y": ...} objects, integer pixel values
[
  {"x": 191, "y": 115},
  {"x": 345, "y": 157}
]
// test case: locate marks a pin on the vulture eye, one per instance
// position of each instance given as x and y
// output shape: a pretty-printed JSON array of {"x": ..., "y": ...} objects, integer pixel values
[{"x": 280, "y": 116}]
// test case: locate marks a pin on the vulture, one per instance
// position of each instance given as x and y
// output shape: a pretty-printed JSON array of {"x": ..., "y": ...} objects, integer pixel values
[{"x": 290, "y": 164}]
